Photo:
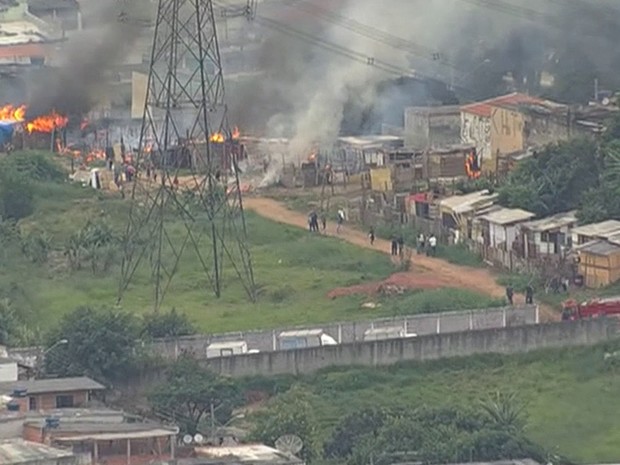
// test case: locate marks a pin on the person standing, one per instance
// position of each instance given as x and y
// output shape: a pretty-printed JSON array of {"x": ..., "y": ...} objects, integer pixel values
[
  {"x": 324, "y": 221},
  {"x": 529, "y": 295},
  {"x": 394, "y": 246},
  {"x": 340, "y": 220},
  {"x": 432, "y": 243},
  {"x": 401, "y": 246},
  {"x": 509, "y": 294},
  {"x": 371, "y": 235},
  {"x": 421, "y": 244}
]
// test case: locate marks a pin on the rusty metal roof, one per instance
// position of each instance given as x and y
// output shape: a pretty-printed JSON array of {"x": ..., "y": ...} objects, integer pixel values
[
  {"x": 485, "y": 108},
  {"x": 42, "y": 386},
  {"x": 15, "y": 451}
]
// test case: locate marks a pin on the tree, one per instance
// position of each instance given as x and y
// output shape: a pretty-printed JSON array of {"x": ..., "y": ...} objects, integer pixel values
[
  {"x": 290, "y": 413},
  {"x": 100, "y": 344},
  {"x": 602, "y": 201},
  {"x": 170, "y": 324},
  {"x": 348, "y": 432},
  {"x": 190, "y": 393}
]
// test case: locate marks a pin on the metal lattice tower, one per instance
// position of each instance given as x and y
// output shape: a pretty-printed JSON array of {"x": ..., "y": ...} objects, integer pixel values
[{"x": 186, "y": 200}]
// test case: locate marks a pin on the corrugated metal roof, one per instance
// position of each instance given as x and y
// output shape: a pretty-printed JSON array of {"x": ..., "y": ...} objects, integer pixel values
[
  {"x": 152, "y": 433},
  {"x": 552, "y": 222},
  {"x": 91, "y": 426},
  {"x": 465, "y": 203},
  {"x": 16, "y": 451},
  {"x": 505, "y": 216},
  {"x": 602, "y": 248},
  {"x": 369, "y": 141},
  {"x": 41, "y": 386},
  {"x": 301, "y": 333},
  {"x": 484, "y": 109},
  {"x": 243, "y": 453},
  {"x": 602, "y": 229}
]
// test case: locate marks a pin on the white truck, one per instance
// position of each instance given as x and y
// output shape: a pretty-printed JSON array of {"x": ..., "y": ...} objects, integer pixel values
[
  {"x": 302, "y": 339},
  {"x": 228, "y": 348},
  {"x": 388, "y": 332}
]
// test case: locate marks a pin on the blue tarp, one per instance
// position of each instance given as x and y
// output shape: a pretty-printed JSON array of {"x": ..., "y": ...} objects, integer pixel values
[{"x": 6, "y": 132}]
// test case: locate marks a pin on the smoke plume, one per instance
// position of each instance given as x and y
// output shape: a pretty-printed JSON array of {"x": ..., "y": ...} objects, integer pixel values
[{"x": 81, "y": 68}]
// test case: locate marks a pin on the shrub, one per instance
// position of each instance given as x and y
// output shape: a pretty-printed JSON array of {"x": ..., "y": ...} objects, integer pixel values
[
  {"x": 36, "y": 166},
  {"x": 16, "y": 197}
]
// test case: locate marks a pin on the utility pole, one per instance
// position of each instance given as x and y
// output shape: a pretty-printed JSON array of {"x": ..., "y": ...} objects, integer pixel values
[{"x": 194, "y": 209}]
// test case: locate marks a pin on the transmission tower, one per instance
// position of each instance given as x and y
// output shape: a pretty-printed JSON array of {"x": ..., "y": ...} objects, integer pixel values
[{"x": 186, "y": 201}]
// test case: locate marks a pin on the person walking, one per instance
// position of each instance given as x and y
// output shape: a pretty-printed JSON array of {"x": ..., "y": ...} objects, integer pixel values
[
  {"x": 324, "y": 221},
  {"x": 509, "y": 294},
  {"x": 401, "y": 246},
  {"x": 432, "y": 243},
  {"x": 529, "y": 295},
  {"x": 371, "y": 235},
  {"x": 394, "y": 246},
  {"x": 340, "y": 220}
]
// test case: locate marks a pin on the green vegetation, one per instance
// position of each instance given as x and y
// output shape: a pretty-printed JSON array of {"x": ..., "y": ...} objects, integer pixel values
[
  {"x": 567, "y": 397},
  {"x": 434, "y": 301}
]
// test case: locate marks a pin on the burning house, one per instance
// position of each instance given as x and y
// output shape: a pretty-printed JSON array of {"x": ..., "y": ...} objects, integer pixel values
[{"x": 45, "y": 132}]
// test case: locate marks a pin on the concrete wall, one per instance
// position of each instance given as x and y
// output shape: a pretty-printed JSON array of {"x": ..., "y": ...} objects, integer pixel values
[
  {"x": 476, "y": 130},
  {"x": 506, "y": 131},
  {"x": 380, "y": 353},
  {"x": 352, "y": 331},
  {"x": 432, "y": 126}
]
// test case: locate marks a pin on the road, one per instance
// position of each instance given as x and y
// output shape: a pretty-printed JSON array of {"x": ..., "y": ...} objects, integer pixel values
[{"x": 475, "y": 279}]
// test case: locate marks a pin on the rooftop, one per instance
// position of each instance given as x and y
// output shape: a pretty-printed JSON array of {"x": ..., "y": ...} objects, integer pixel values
[
  {"x": 600, "y": 230},
  {"x": 227, "y": 344},
  {"x": 556, "y": 221},
  {"x": 370, "y": 141},
  {"x": 466, "y": 203},
  {"x": 602, "y": 248},
  {"x": 42, "y": 386},
  {"x": 17, "y": 451},
  {"x": 247, "y": 453},
  {"x": 301, "y": 333},
  {"x": 437, "y": 110},
  {"x": 507, "y": 216},
  {"x": 144, "y": 433},
  {"x": 20, "y": 32},
  {"x": 485, "y": 108}
]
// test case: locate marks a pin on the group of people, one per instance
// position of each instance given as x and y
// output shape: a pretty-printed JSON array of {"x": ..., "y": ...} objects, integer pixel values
[
  {"x": 314, "y": 218},
  {"x": 427, "y": 245},
  {"x": 529, "y": 294}
]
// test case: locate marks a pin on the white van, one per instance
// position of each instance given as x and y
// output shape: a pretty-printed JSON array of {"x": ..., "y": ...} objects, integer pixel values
[
  {"x": 304, "y": 338},
  {"x": 228, "y": 348},
  {"x": 388, "y": 332}
]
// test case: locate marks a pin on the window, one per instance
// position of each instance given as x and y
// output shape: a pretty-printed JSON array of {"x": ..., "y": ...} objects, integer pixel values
[
  {"x": 32, "y": 403},
  {"x": 64, "y": 401}
]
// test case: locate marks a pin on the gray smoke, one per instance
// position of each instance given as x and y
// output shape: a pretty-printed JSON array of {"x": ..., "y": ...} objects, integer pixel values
[
  {"x": 81, "y": 68},
  {"x": 471, "y": 44}
]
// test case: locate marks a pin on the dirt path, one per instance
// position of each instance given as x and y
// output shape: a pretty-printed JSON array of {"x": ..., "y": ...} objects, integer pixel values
[{"x": 475, "y": 279}]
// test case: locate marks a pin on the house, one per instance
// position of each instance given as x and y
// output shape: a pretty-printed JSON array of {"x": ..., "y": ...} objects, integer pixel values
[
  {"x": 355, "y": 153},
  {"x": 599, "y": 263},
  {"x": 548, "y": 236},
  {"x": 427, "y": 127},
  {"x": 592, "y": 232},
  {"x": 64, "y": 13},
  {"x": 457, "y": 212},
  {"x": 246, "y": 454},
  {"x": 110, "y": 443},
  {"x": 46, "y": 394},
  {"x": 477, "y": 125},
  {"x": 20, "y": 452},
  {"x": 499, "y": 228}
]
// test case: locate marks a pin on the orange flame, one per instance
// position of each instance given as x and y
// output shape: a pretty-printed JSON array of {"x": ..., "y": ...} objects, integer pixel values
[
  {"x": 47, "y": 123},
  {"x": 13, "y": 113},
  {"x": 217, "y": 137},
  {"x": 236, "y": 133}
]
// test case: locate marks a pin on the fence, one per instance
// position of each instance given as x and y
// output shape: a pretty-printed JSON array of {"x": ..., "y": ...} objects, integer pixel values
[{"x": 353, "y": 331}]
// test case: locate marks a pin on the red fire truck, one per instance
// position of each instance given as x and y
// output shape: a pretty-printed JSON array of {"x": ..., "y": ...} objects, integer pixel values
[{"x": 573, "y": 310}]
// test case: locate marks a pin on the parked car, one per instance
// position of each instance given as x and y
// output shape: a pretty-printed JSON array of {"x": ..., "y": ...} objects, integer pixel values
[{"x": 228, "y": 348}]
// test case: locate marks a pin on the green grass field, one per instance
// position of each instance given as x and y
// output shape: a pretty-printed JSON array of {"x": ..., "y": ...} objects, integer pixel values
[
  {"x": 571, "y": 395},
  {"x": 293, "y": 271}
]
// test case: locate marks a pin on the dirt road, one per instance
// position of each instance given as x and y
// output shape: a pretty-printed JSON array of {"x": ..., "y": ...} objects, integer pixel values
[{"x": 475, "y": 279}]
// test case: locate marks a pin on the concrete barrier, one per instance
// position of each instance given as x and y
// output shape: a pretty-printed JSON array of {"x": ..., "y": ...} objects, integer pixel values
[{"x": 508, "y": 340}]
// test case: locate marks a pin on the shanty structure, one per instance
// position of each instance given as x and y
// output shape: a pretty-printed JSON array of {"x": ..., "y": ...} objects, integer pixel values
[
  {"x": 353, "y": 154},
  {"x": 20, "y": 452},
  {"x": 548, "y": 236},
  {"x": 458, "y": 212},
  {"x": 243, "y": 454},
  {"x": 499, "y": 228},
  {"x": 599, "y": 262},
  {"x": 591, "y": 232},
  {"x": 427, "y": 127}
]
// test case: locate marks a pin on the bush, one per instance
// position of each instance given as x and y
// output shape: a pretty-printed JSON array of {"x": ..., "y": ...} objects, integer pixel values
[
  {"x": 170, "y": 324},
  {"x": 36, "y": 246},
  {"x": 36, "y": 166},
  {"x": 16, "y": 197}
]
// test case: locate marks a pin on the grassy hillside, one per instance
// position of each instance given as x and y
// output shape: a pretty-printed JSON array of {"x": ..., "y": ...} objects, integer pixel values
[
  {"x": 570, "y": 395},
  {"x": 293, "y": 270}
]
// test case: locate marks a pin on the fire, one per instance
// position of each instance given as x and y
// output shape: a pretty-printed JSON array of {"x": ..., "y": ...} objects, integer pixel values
[
  {"x": 44, "y": 123},
  {"x": 13, "y": 113},
  {"x": 47, "y": 123},
  {"x": 217, "y": 137},
  {"x": 236, "y": 133}
]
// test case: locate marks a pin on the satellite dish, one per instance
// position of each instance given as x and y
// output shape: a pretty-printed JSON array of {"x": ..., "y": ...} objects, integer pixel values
[
  {"x": 198, "y": 438},
  {"x": 187, "y": 439},
  {"x": 606, "y": 101},
  {"x": 289, "y": 443}
]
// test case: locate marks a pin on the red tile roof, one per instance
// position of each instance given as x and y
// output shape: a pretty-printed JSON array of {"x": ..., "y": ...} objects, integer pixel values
[{"x": 484, "y": 109}]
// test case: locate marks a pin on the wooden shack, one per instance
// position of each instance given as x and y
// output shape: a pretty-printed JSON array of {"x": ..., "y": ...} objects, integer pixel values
[{"x": 599, "y": 263}]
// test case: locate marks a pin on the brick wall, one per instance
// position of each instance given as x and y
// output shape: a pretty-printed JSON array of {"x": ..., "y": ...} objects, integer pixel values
[{"x": 47, "y": 401}]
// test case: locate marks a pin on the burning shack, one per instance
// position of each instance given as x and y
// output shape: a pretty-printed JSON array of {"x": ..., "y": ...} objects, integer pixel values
[
  {"x": 356, "y": 153},
  {"x": 44, "y": 132}
]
